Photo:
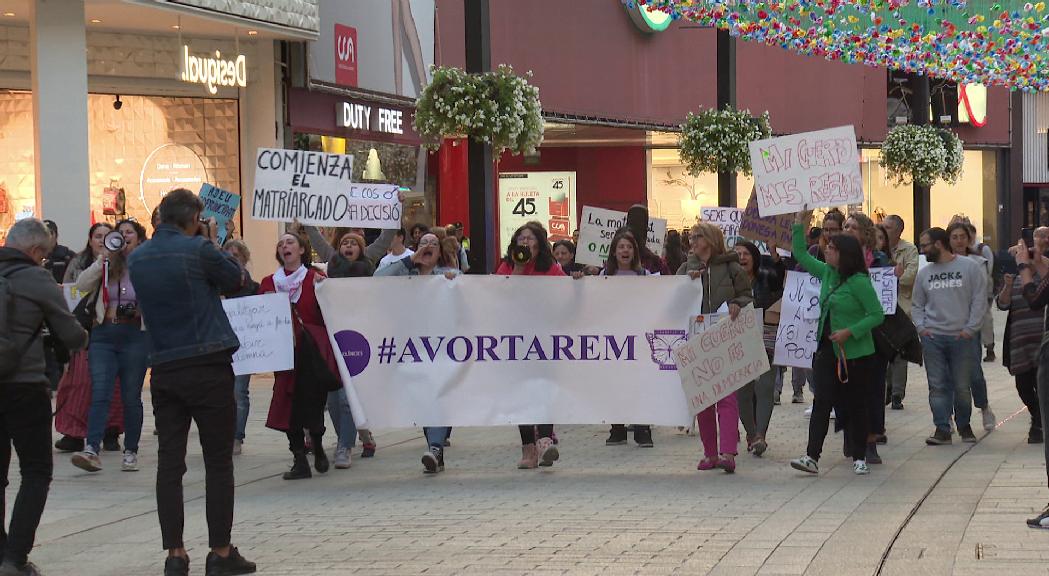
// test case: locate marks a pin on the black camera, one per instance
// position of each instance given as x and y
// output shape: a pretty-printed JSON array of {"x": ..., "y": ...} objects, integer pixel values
[
  {"x": 127, "y": 311},
  {"x": 521, "y": 254}
]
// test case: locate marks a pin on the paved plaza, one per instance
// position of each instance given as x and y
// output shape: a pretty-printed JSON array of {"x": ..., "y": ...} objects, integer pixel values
[{"x": 600, "y": 510}]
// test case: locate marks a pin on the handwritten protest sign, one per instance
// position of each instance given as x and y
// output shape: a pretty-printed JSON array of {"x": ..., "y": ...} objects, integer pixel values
[
  {"x": 597, "y": 226},
  {"x": 727, "y": 219},
  {"x": 700, "y": 323},
  {"x": 765, "y": 229},
  {"x": 72, "y": 295},
  {"x": 316, "y": 189},
  {"x": 887, "y": 287},
  {"x": 811, "y": 169},
  {"x": 721, "y": 360},
  {"x": 799, "y": 319},
  {"x": 220, "y": 205},
  {"x": 263, "y": 326}
]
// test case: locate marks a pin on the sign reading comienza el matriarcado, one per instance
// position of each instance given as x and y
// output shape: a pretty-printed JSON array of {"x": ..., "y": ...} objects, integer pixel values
[
  {"x": 213, "y": 72},
  {"x": 497, "y": 350},
  {"x": 316, "y": 189}
]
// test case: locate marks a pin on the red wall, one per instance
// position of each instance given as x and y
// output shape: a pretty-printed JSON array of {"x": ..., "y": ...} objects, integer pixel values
[
  {"x": 589, "y": 59},
  {"x": 606, "y": 177}
]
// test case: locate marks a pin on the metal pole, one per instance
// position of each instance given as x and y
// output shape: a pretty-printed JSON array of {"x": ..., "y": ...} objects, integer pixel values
[
  {"x": 726, "y": 96},
  {"x": 483, "y": 252},
  {"x": 922, "y": 194}
]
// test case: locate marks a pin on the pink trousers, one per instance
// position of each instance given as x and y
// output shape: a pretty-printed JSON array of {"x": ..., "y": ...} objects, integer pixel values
[{"x": 720, "y": 422}]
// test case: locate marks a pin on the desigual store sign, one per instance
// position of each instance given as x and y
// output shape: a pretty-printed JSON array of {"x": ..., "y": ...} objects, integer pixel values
[{"x": 213, "y": 72}]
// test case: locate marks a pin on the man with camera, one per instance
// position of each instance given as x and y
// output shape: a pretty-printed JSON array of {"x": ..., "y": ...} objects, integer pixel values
[
  {"x": 1037, "y": 295},
  {"x": 30, "y": 298},
  {"x": 179, "y": 276}
]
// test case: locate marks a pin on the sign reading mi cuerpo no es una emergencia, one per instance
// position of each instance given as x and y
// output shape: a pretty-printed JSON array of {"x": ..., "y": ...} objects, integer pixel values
[
  {"x": 317, "y": 189},
  {"x": 213, "y": 72}
]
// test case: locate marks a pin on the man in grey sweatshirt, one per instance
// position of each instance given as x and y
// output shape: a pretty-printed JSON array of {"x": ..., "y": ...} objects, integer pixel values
[{"x": 948, "y": 307}]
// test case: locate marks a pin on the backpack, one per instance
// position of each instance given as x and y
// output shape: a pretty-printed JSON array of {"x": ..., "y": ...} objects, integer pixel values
[{"x": 10, "y": 353}]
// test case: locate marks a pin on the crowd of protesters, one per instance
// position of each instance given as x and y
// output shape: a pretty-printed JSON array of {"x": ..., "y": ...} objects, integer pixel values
[{"x": 98, "y": 355}]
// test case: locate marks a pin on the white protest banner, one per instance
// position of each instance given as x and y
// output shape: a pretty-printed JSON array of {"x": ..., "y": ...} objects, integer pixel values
[
  {"x": 721, "y": 360},
  {"x": 597, "y": 226},
  {"x": 728, "y": 219},
  {"x": 72, "y": 294},
  {"x": 811, "y": 169},
  {"x": 263, "y": 326},
  {"x": 496, "y": 350},
  {"x": 316, "y": 189},
  {"x": 887, "y": 287},
  {"x": 799, "y": 319}
]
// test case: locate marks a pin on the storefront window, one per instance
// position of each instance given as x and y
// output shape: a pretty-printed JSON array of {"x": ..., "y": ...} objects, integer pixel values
[
  {"x": 677, "y": 196},
  {"x": 383, "y": 162},
  {"x": 138, "y": 153}
]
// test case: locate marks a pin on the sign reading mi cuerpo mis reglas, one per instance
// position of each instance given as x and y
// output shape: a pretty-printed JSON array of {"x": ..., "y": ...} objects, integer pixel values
[
  {"x": 213, "y": 72},
  {"x": 316, "y": 189}
]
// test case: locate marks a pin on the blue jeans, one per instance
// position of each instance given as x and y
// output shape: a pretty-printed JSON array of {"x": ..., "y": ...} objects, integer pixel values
[
  {"x": 436, "y": 435},
  {"x": 979, "y": 383},
  {"x": 242, "y": 395},
  {"x": 342, "y": 418},
  {"x": 116, "y": 350},
  {"x": 948, "y": 365}
]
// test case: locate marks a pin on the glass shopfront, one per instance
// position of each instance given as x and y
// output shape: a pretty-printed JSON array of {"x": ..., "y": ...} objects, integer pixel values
[{"x": 139, "y": 150}]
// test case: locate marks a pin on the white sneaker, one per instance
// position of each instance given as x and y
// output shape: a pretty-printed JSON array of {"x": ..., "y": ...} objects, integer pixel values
[
  {"x": 988, "y": 418},
  {"x": 808, "y": 412},
  {"x": 130, "y": 463},
  {"x": 87, "y": 460},
  {"x": 342, "y": 458},
  {"x": 860, "y": 467},
  {"x": 238, "y": 446},
  {"x": 805, "y": 464}
]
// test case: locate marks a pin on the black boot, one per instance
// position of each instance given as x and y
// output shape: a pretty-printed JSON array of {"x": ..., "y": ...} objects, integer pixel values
[
  {"x": 111, "y": 440},
  {"x": 616, "y": 435},
  {"x": 1034, "y": 435},
  {"x": 300, "y": 469},
  {"x": 69, "y": 444},
  {"x": 643, "y": 436},
  {"x": 872, "y": 453},
  {"x": 320, "y": 459}
]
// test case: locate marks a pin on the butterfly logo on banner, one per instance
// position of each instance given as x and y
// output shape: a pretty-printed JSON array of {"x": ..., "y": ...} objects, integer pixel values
[{"x": 662, "y": 343}]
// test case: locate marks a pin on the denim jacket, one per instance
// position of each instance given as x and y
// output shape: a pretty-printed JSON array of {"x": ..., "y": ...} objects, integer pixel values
[{"x": 178, "y": 280}]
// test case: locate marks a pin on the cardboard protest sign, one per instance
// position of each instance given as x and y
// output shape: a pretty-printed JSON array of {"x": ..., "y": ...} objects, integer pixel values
[
  {"x": 811, "y": 169},
  {"x": 765, "y": 229},
  {"x": 597, "y": 226},
  {"x": 72, "y": 294},
  {"x": 316, "y": 189},
  {"x": 886, "y": 285},
  {"x": 263, "y": 326},
  {"x": 721, "y": 360},
  {"x": 799, "y": 320},
  {"x": 220, "y": 205},
  {"x": 728, "y": 219}
]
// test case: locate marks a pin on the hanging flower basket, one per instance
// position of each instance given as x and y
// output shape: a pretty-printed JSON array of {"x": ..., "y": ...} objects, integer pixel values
[
  {"x": 718, "y": 140},
  {"x": 498, "y": 108},
  {"x": 921, "y": 155}
]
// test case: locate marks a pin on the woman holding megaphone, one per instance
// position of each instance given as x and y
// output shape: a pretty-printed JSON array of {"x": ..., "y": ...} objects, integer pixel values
[
  {"x": 529, "y": 254},
  {"x": 118, "y": 346}
]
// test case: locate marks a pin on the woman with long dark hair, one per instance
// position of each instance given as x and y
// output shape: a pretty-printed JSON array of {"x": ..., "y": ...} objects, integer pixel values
[
  {"x": 674, "y": 251},
  {"x": 118, "y": 351},
  {"x": 845, "y": 356},
  {"x": 538, "y": 260},
  {"x": 863, "y": 229},
  {"x": 564, "y": 252},
  {"x": 757, "y": 398},
  {"x": 74, "y": 390},
  {"x": 298, "y": 403},
  {"x": 624, "y": 259}
]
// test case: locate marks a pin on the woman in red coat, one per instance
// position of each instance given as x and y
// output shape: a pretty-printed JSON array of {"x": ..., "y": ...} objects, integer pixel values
[{"x": 298, "y": 405}]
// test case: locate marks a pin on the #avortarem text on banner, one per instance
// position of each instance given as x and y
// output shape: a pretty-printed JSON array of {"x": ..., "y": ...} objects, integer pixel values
[
  {"x": 497, "y": 350},
  {"x": 317, "y": 189}
]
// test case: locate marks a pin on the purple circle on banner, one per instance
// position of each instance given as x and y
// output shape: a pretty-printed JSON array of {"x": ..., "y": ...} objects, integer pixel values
[{"x": 355, "y": 350}]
